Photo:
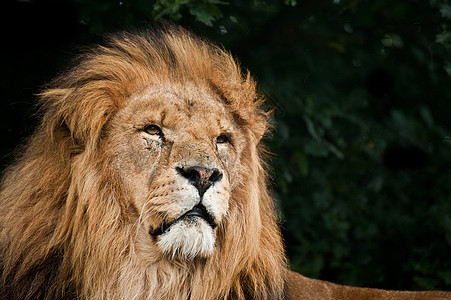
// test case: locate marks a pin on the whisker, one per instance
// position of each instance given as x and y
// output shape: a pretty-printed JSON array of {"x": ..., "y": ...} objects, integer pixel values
[{"x": 144, "y": 210}]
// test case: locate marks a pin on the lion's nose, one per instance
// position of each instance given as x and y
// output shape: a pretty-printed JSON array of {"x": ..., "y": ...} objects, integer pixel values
[{"x": 202, "y": 178}]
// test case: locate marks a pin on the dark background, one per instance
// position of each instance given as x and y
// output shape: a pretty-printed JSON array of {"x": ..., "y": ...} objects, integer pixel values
[{"x": 362, "y": 145}]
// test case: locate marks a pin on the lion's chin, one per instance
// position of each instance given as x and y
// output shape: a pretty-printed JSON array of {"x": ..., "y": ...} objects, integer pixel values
[{"x": 187, "y": 238}]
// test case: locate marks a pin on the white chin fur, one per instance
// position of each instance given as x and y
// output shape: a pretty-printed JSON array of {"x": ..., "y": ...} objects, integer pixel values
[{"x": 187, "y": 239}]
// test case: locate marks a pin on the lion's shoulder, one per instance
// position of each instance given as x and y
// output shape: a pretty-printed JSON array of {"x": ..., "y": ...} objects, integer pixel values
[{"x": 301, "y": 287}]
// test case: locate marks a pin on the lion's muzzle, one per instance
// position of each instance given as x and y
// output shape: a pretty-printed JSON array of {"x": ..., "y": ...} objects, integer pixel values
[{"x": 191, "y": 233}]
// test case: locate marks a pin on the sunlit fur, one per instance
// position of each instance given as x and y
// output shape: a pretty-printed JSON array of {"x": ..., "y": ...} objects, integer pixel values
[{"x": 68, "y": 228}]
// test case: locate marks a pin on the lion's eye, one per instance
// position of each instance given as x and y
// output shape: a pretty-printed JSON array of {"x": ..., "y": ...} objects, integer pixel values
[
  {"x": 152, "y": 130},
  {"x": 222, "y": 139}
]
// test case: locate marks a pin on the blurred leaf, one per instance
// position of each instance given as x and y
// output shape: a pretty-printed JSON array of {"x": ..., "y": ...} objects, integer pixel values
[
  {"x": 316, "y": 148},
  {"x": 445, "y": 9},
  {"x": 302, "y": 162},
  {"x": 444, "y": 38},
  {"x": 206, "y": 12},
  {"x": 448, "y": 69},
  {"x": 427, "y": 116},
  {"x": 291, "y": 2}
]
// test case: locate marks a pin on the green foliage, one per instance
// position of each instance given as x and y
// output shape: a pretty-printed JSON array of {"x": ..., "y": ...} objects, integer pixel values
[
  {"x": 112, "y": 15},
  {"x": 444, "y": 36},
  {"x": 361, "y": 156},
  {"x": 291, "y": 2},
  {"x": 204, "y": 11}
]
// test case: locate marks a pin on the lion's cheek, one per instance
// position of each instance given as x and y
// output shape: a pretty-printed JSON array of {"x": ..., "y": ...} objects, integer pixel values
[{"x": 216, "y": 201}]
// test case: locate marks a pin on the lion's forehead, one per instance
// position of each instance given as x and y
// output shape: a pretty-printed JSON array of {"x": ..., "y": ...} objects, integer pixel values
[{"x": 187, "y": 109}]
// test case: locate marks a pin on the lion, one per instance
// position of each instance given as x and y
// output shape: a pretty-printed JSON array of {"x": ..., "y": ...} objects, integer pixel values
[{"x": 146, "y": 179}]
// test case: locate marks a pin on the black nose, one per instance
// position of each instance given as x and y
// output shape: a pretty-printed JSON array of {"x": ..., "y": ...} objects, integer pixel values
[{"x": 202, "y": 178}]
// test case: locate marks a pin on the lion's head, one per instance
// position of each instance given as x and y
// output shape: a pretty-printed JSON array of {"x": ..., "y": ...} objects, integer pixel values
[
  {"x": 144, "y": 180},
  {"x": 176, "y": 150}
]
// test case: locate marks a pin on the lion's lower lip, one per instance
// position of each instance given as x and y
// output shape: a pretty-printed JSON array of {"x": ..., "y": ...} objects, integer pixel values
[
  {"x": 197, "y": 211},
  {"x": 201, "y": 212}
]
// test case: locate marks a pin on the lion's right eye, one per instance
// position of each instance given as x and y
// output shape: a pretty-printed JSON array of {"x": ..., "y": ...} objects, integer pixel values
[
  {"x": 152, "y": 130},
  {"x": 222, "y": 139}
]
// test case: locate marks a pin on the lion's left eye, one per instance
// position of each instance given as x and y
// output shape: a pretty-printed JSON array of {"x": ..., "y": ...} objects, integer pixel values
[
  {"x": 152, "y": 130},
  {"x": 222, "y": 139}
]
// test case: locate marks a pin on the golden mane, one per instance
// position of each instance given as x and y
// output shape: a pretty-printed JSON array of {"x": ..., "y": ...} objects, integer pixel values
[{"x": 64, "y": 220}]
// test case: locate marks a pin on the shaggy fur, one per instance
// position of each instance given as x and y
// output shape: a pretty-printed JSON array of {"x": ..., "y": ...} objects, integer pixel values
[
  {"x": 96, "y": 205},
  {"x": 68, "y": 227}
]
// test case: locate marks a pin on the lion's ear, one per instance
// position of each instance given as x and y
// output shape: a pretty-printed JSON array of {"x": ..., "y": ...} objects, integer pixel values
[
  {"x": 261, "y": 123},
  {"x": 81, "y": 115},
  {"x": 255, "y": 120}
]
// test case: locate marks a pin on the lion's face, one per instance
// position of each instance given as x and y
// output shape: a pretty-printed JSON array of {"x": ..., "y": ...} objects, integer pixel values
[
  {"x": 144, "y": 180},
  {"x": 177, "y": 152}
]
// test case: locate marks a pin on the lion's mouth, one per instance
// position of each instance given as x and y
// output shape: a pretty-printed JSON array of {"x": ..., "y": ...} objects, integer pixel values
[{"x": 197, "y": 211}]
